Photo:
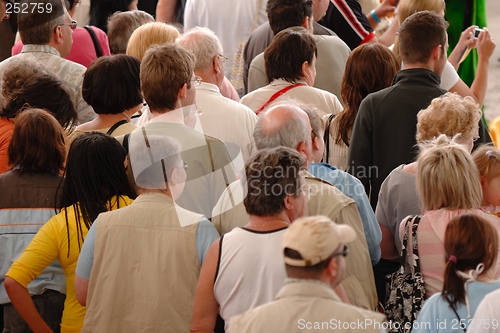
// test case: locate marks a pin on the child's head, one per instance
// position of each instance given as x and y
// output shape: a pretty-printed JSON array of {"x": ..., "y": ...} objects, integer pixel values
[
  {"x": 487, "y": 159},
  {"x": 469, "y": 240}
]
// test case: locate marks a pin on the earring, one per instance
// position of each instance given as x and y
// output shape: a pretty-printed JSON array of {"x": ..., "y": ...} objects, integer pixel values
[{"x": 307, "y": 76}]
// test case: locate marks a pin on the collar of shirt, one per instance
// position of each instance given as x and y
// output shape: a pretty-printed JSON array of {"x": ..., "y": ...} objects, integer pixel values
[{"x": 40, "y": 48}]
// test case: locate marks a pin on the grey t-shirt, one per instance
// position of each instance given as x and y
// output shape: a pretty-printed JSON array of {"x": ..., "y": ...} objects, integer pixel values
[{"x": 398, "y": 198}]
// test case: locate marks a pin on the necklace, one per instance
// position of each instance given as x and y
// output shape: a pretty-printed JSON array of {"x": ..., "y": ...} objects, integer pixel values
[{"x": 269, "y": 224}]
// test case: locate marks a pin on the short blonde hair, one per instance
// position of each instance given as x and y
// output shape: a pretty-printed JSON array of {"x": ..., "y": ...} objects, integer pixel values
[
  {"x": 447, "y": 176},
  {"x": 148, "y": 34},
  {"x": 449, "y": 114},
  {"x": 487, "y": 159}
]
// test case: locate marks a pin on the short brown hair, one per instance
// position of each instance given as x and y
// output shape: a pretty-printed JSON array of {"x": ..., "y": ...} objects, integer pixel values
[
  {"x": 272, "y": 174},
  {"x": 111, "y": 84},
  {"x": 37, "y": 28},
  {"x": 47, "y": 92},
  {"x": 121, "y": 25},
  {"x": 164, "y": 71},
  {"x": 419, "y": 34},
  {"x": 37, "y": 143},
  {"x": 471, "y": 240},
  {"x": 369, "y": 68},
  {"x": 281, "y": 62}
]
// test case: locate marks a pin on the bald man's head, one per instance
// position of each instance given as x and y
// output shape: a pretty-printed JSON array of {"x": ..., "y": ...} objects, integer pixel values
[{"x": 284, "y": 125}]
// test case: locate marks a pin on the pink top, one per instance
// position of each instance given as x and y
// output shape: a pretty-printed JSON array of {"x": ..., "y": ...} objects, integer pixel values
[
  {"x": 430, "y": 236},
  {"x": 82, "y": 51}
]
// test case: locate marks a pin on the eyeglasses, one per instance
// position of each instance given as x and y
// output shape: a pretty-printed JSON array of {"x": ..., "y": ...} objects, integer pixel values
[
  {"x": 196, "y": 80},
  {"x": 224, "y": 58},
  {"x": 72, "y": 25},
  {"x": 343, "y": 253},
  {"x": 184, "y": 165}
]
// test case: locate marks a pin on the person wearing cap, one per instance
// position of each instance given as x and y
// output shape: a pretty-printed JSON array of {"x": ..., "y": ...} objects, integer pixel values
[
  {"x": 288, "y": 125},
  {"x": 244, "y": 269},
  {"x": 137, "y": 270},
  {"x": 314, "y": 249}
]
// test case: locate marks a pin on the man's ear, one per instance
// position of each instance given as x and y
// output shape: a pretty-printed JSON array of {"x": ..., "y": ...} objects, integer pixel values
[
  {"x": 315, "y": 143},
  {"x": 182, "y": 92},
  {"x": 288, "y": 203},
  {"x": 301, "y": 148},
  {"x": 216, "y": 64},
  {"x": 437, "y": 52},
  {"x": 57, "y": 34},
  {"x": 307, "y": 23},
  {"x": 333, "y": 268}
]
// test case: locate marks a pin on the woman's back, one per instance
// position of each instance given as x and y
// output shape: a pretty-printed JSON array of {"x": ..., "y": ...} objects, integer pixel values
[{"x": 430, "y": 236}]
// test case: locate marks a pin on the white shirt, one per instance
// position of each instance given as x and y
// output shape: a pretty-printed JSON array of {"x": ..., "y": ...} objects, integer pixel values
[
  {"x": 225, "y": 119},
  {"x": 232, "y": 21}
]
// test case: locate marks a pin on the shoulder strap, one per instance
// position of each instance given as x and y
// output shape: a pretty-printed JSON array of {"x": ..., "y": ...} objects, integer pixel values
[
  {"x": 278, "y": 94},
  {"x": 326, "y": 137},
  {"x": 456, "y": 314},
  {"x": 414, "y": 249},
  {"x": 116, "y": 125},
  {"x": 97, "y": 46},
  {"x": 405, "y": 241},
  {"x": 218, "y": 259},
  {"x": 125, "y": 142}
]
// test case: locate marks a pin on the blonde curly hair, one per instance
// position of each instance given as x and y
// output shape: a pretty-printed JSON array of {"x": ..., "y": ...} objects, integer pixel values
[{"x": 449, "y": 114}]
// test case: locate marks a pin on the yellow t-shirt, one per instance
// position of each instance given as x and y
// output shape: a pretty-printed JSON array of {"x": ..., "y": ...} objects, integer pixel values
[{"x": 49, "y": 244}]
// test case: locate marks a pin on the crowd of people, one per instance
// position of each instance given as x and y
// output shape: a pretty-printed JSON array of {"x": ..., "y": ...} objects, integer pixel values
[{"x": 271, "y": 172}]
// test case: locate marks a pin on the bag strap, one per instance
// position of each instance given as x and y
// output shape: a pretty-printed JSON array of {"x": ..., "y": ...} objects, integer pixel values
[
  {"x": 97, "y": 46},
  {"x": 278, "y": 94},
  {"x": 456, "y": 314},
  {"x": 405, "y": 242},
  {"x": 126, "y": 142},
  {"x": 116, "y": 125},
  {"x": 414, "y": 249},
  {"x": 326, "y": 138}
]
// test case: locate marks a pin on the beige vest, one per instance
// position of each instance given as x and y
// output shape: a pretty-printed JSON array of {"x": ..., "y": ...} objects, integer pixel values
[
  {"x": 145, "y": 268},
  {"x": 323, "y": 199}
]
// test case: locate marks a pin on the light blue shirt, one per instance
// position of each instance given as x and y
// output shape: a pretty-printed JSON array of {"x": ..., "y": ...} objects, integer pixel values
[
  {"x": 437, "y": 316},
  {"x": 354, "y": 189},
  {"x": 206, "y": 234}
]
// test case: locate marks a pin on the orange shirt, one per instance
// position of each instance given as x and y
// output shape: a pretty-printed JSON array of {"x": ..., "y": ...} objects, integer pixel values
[{"x": 6, "y": 129}]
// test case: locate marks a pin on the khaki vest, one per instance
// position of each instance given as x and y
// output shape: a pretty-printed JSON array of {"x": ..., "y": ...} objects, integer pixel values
[{"x": 145, "y": 268}]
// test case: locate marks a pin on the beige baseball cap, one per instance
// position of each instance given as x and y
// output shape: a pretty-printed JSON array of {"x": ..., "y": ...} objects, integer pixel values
[{"x": 315, "y": 238}]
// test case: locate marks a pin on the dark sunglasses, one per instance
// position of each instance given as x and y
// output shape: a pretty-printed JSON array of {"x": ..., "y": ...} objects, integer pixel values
[{"x": 343, "y": 253}]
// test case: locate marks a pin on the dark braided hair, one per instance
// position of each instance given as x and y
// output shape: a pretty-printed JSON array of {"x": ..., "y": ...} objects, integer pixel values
[{"x": 94, "y": 174}]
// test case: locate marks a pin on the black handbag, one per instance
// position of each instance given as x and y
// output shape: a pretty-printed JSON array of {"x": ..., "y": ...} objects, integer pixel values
[{"x": 405, "y": 294}]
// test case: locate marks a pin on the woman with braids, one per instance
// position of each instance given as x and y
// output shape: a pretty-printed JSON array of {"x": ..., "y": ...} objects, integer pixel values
[
  {"x": 470, "y": 258},
  {"x": 96, "y": 182},
  {"x": 369, "y": 68}
]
